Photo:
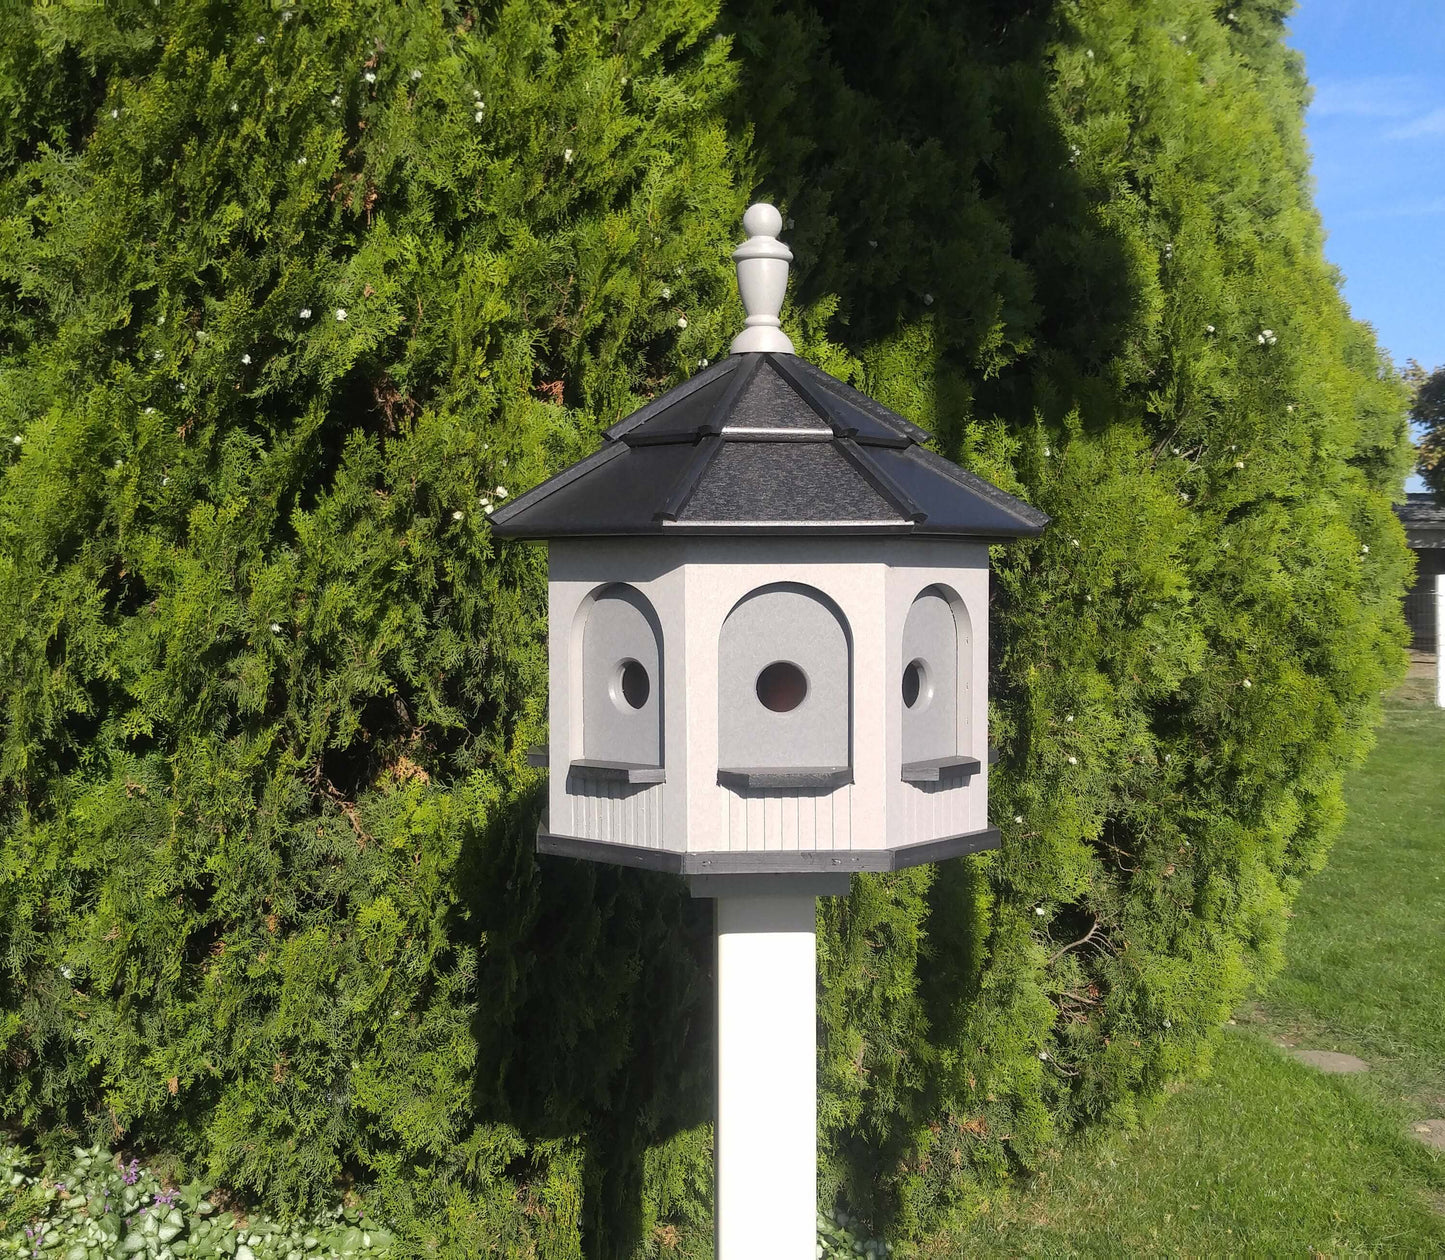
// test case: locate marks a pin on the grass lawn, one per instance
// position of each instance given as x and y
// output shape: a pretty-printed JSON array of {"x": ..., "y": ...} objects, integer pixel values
[{"x": 1268, "y": 1156}]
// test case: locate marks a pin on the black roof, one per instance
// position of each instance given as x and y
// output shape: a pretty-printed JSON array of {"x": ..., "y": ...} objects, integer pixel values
[
  {"x": 1424, "y": 521},
  {"x": 765, "y": 443}
]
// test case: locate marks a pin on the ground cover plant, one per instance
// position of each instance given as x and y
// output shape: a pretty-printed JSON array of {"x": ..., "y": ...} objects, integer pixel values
[
  {"x": 290, "y": 296},
  {"x": 1268, "y": 1156},
  {"x": 96, "y": 1205}
]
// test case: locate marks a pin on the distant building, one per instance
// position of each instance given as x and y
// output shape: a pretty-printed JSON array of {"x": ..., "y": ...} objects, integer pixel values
[{"x": 1424, "y": 522}]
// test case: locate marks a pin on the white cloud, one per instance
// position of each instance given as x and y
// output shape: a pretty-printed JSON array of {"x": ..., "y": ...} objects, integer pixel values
[{"x": 1431, "y": 124}]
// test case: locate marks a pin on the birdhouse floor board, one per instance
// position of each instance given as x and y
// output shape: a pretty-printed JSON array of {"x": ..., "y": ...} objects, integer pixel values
[
  {"x": 933, "y": 769},
  {"x": 617, "y": 771},
  {"x": 820, "y": 861},
  {"x": 784, "y": 780}
]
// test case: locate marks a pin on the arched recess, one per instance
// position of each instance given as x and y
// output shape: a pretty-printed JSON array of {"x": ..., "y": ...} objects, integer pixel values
[
  {"x": 621, "y": 679},
  {"x": 937, "y": 653},
  {"x": 785, "y": 671}
]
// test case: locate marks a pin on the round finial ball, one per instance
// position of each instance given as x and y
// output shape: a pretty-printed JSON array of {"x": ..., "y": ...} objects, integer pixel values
[{"x": 762, "y": 219}]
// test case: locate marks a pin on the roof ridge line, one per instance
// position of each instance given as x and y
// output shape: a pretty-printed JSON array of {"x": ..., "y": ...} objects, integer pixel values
[
  {"x": 665, "y": 400},
  {"x": 868, "y": 405},
  {"x": 881, "y": 480},
  {"x": 707, "y": 451},
  {"x": 796, "y": 384},
  {"x": 742, "y": 378}
]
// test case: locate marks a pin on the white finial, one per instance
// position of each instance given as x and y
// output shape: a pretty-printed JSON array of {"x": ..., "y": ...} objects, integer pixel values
[{"x": 762, "y": 261}]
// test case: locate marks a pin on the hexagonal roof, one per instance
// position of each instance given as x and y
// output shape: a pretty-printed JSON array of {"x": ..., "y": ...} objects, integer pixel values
[{"x": 765, "y": 443}]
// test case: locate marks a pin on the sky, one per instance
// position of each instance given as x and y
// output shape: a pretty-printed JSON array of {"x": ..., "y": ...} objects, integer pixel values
[{"x": 1376, "y": 129}]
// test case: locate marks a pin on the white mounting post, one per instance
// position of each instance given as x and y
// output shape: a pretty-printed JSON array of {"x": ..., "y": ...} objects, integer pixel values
[
  {"x": 1440, "y": 639},
  {"x": 767, "y": 1076}
]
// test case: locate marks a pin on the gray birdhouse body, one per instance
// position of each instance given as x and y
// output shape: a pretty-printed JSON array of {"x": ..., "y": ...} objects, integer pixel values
[{"x": 768, "y": 638}]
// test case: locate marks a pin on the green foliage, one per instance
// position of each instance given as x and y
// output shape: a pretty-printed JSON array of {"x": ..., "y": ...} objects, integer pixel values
[
  {"x": 1427, "y": 409},
  {"x": 290, "y": 297}
]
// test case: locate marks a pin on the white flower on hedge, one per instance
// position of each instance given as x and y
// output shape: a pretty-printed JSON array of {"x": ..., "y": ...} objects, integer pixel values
[
  {"x": 928, "y": 299},
  {"x": 301, "y": 161},
  {"x": 1019, "y": 818},
  {"x": 16, "y": 440},
  {"x": 500, "y": 492},
  {"x": 1039, "y": 910},
  {"x": 67, "y": 973},
  {"x": 1247, "y": 683},
  {"x": 234, "y": 107},
  {"x": 1044, "y": 1056},
  {"x": 370, "y": 76},
  {"x": 1168, "y": 1023},
  {"x": 1209, "y": 328},
  {"x": 341, "y": 314},
  {"x": 1073, "y": 542},
  {"x": 456, "y": 516},
  {"x": 150, "y": 411},
  {"x": 567, "y": 155},
  {"x": 479, "y": 115},
  {"x": 246, "y": 359},
  {"x": 872, "y": 244},
  {"x": 1239, "y": 463},
  {"x": 666, "y": 291},
  {"x": 1068, "y": 717},
  {"x": 415, "y": 75},
  {"x": 335, "y": 101},
  {"x": 1047, "y": 452},
  {"x": 158, "y": 355},
  {"x": 682, "y": 321},
  {"x": 1365, "y": 548},
  {"x": 260, "y": 39},
  {"x": 1073, "y": 761},
  {"x": 286, "y": 15},
  {"x": 115, "y": 113},
  {"x": 305, "y": 312},
  {"x": 1089, "y": 53},
  {"x": 488, "y": 509},
  {"x": 702, "y": 363},
  {"x": 1184, "y": 496},
  {"x": 275, "y": 627}
]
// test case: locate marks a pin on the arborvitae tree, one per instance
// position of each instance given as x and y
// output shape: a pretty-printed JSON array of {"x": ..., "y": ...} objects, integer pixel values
[
  {"x": 290, "y": 296},
  {"x": 1427, "y": 410}
]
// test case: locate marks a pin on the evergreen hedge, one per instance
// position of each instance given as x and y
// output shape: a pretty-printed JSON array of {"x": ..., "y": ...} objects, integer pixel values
[{"x": 289, "y": 296}]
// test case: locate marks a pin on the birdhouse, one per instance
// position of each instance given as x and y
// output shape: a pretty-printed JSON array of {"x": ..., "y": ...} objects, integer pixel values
[
  {"x": 768, "y": 661},
  {"x": 768, "y": 604}
]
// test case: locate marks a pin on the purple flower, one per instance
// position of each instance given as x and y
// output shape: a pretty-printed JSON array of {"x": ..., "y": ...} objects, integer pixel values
[
  {"x": 166, "y": 1198},
  {"x": 132, "y": 1173}
]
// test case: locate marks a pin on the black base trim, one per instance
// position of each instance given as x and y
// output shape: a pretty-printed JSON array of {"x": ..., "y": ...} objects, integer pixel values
[{"x": 818, "y": 862}]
